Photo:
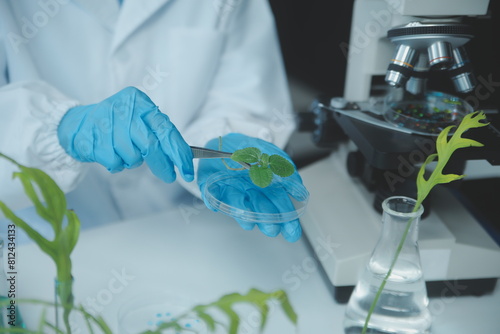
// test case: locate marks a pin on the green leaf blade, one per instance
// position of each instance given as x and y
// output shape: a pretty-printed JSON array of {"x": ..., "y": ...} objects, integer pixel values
[
  {"x": 72, "y": 231},
  {"x": 264, "y": 160},
  {"x": 286, "y": 306},
  {"x": 207, "y": 319},
  {"x": 234, "y": 319},
  {"x": 52, "y": 195},
  {"x": 261, "y": 176},
  {"x": 44, "y": 244},
  {"x": 281, "y": 166},
  {"x": 445, "y": 148},
  {"x": 249, "y": 155},
  {"x": 447, "y": 178}
]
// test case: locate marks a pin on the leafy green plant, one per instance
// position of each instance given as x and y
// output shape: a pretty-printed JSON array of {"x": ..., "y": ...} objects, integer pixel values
[
  {"x": 92, "y": 322},
  {"x": 66, "y": 225},
  {"x": 445, "y": 148},
  {"x": 260, "y": 300},
  {"x": 263, "y": 166},
  {"x": 255, "y": 297}
]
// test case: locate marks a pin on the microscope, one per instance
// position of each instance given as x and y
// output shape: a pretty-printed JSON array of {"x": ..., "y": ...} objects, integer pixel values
[{"x": 408, "y": 76}]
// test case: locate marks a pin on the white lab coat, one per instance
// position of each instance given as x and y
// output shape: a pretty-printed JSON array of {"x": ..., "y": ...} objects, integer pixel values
[{"x": 210, "y": 78}]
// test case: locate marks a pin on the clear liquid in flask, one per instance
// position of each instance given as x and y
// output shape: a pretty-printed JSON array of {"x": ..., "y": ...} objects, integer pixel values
[{"x": 401, "y": 307}]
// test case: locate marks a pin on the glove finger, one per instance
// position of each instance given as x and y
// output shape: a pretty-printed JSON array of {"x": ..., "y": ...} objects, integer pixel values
[
  {"x": 98, "y": 147},
  {"x": 147, "y": 143},
  {"x": 171, "y": 142},
  {"x": 280, "y": 200},
  {"x": 259, "y": 202},
  {"x": 159, "y": 164},
  {"x": 234, "y": 196},
  {"x": 295, "y": 188},
  {"x": 271, "y": 230},
  {"x": 291, "y": 231},
  {"x": 245, "y": 225},
  {"x": 123, "y": 126},
  {"x": 83, "y": 147}
]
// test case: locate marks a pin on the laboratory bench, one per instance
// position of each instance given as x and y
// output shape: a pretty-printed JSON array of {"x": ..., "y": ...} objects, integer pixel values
[{"x": 197, "y": 255}]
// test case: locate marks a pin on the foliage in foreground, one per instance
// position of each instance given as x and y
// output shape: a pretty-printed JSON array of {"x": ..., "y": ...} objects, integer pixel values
[{"x": 51, "y": 207}]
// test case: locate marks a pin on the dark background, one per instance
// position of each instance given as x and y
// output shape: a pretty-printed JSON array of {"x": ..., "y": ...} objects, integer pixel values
[{"x": 310, "y": 34}]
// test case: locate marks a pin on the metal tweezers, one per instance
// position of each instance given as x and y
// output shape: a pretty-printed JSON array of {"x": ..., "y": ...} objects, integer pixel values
[{"x": 206, "y": 153}]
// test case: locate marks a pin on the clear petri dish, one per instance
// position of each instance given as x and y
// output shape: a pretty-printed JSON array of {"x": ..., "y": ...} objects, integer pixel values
[
  {"x": 292, "y": 192},
  {"x": 428, "y": 115}
]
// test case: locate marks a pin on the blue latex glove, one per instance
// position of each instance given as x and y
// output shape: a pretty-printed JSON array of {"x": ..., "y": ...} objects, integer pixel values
[
  {"x": 254, "y": 197},
  {"x": 123, "y": 131}
]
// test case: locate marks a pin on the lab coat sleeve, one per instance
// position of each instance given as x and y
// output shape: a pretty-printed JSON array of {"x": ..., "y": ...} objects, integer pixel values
[
  {"x": 29, "y": 115},
  {"x": 249, "y": 93}
]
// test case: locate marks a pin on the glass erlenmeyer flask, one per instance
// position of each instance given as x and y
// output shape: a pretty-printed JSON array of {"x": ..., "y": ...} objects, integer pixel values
[{"x": 402, "y": 305}]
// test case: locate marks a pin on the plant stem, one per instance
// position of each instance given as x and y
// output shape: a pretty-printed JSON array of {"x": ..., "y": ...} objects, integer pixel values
[{"x": 386, "y": 278}]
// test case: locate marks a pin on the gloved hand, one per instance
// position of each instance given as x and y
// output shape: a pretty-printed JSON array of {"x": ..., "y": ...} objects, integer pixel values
[
  {"x": 246, "y": 194},
  {"x": 123, "y": 131}
]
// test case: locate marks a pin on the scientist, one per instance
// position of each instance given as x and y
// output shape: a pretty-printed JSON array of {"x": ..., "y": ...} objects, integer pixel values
[{"x": 90, "y": 91}]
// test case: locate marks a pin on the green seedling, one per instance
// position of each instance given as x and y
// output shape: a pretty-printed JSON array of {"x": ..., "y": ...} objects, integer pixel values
[
  {"x": 263, "y": 166},
  {"x": 445, "y": 148},
  {"x": 51, "y": 207}
]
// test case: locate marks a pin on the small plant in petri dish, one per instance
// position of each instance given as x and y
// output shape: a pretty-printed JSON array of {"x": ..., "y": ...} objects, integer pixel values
[{"x": 263, "y": 166}]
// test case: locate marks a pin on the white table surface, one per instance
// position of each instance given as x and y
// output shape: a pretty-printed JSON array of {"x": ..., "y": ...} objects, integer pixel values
[{"x": 200, "y": 255}]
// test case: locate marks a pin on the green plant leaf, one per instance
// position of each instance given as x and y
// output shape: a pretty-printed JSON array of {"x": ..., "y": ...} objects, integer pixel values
[
  {"x": 281, "y": 166},
  {"x": 208, "y": 319},
  {"x": 55, "y": 201},
  {"x": 264, "y": 160},
  {"x": 52, "y": 208},
  {"x": 261, "y": 176},
  {"x": 234, "y": 319},
  {"x": 44, "y": 244},
  {"x": 260, "y": 300},
  {"x": 282, "y": 297},
  {"x": 445, "y": 148},
  {"x": 249, "y": 155},
  {"x": 72, "y": 230}
]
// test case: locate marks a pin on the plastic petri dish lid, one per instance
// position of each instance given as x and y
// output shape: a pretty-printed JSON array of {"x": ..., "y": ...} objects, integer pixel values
[
  {"x": 286, "y": 189},
  {"x": 428, "y": 115}
]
